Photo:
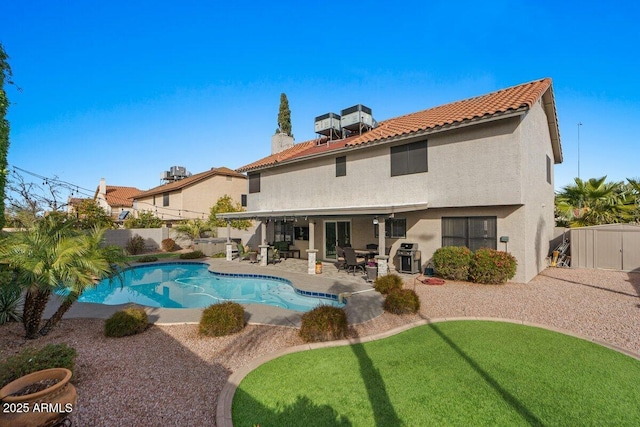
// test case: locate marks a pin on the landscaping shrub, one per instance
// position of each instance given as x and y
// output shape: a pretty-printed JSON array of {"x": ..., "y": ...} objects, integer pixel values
[
  {"x": 129, "y": 321},
  {"x": 402, "y": 301},
  {"x": 168, "y": 245},
  {"x": 389, "y": 283},
  {"x": 31, "y": 360},
  {"x": 10, "y": 297},
  {"x": 147, "y": 258},
  {"x": 453, "y": 262},
  {"x": 324, "y": 323},
  {"x": 220, "y": 255},
  {"x": 192, "y": 255},
  {"x": 135, "y": 245},
  {"x": 492, "y": 267},
  {"x": 222, "y": 319}
]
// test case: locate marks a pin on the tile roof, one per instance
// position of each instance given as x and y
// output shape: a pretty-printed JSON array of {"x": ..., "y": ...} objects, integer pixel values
[
  {"x": 120, "y": 196},
  {"x": 521, "y": 97},
  {"x": 193, "y": 179}
]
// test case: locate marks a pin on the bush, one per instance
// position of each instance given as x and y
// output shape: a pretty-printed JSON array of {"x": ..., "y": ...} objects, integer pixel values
[
  {"x": 402, "y": 301},
  {"x": 192, "y": 255},
  {"x": 220, "y": 255},
  {"x": 135, "y": 245},
  {"x": 492, "y": 267},
  {"x": 147, "y": 258},
  {"x": 168, "y": 244},
  {"x": 324, "y": 323},
  {"x": 32, "y": 360},
  {"x": 129, "y": 321},
  {"x": 389, "y": 283},
  {"x": 222, "y": 319},
  {"x": 453, "y": 262},
  {"x": 11, "y": 299}
]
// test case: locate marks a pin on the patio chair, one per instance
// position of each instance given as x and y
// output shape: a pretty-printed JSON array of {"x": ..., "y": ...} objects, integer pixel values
[
  {"x": 340, "y": 261},
  {"x": 352, "y": 261}
]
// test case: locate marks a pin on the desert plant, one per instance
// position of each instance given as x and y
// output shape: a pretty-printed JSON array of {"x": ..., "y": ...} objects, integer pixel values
[
  {"x": 11, "y": 299},
  {"x": 147, "y": 258},
  {"x": 222, "y": 319},
  {"x": 130, "y": 321},
  {"x": 135, "y": 245},
  {"x": 168, "y": 244},
  {"x": 387, "y": 284},
  {"x": 492, "y": 267},
  {"x": 324, "y": 323},
  {"x": 31, "y": 360},
  {"x": 192, "y": 255},
  {"x": 402, "y": 301},
  {"x": 452, "y": 262}
]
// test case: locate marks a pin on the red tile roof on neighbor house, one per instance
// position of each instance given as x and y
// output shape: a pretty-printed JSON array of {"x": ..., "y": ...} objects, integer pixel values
[
  {"x": 193, "y": 179},
  {"x": 513, "y": 99},
  {"x": 118, "y": 196}
]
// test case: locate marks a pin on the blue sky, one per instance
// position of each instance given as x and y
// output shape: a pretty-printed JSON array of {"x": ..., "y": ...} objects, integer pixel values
[{"x": 125, "y": 89}]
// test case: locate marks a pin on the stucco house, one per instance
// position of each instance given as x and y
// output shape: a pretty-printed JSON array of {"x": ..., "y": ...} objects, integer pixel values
[
  {"x": 116, "y": 200},
  {"x": 476, "y": 172},
  {"x": 193, "y": 196}
]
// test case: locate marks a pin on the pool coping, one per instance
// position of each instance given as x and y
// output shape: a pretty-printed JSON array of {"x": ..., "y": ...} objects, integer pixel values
[
  {"x": 225, "y": 398},
  {"x": 363, "y": 304}
]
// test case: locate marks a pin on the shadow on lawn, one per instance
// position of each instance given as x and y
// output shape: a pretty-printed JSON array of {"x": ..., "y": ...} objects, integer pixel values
[{"x": 528, "y": 416}]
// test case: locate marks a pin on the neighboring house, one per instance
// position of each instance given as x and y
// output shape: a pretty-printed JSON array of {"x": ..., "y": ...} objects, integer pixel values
[
  {"x": 192, "y": 197},
  {"x": 117, "y": 201},
  {"x": 477, "y": 172}
]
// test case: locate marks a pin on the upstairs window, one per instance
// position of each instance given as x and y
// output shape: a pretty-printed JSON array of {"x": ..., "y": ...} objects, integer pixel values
[
  {"x": 409, "y": 158},
  {"x": 243, "y": 200},
  {"x": 341, "y": 166},
  {"x": 548, "y": 169},
  {"x": 165, "y": 199},
  {"x": 254, "y": 183}
]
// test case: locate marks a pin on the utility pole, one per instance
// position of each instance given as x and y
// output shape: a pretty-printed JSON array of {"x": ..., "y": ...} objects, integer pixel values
[{"x": 579, "y": 124}]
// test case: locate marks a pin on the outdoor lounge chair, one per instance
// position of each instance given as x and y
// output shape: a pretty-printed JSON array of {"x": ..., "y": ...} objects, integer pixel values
[
  {"x": 352, "y": 261},
  {"x": 340, "y": 261}
]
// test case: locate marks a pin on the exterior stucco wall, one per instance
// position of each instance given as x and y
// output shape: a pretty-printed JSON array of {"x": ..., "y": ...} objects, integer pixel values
[{"x": 477, "y": 165}]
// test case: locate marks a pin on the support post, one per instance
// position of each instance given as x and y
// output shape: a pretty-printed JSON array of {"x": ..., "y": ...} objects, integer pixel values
[
  {"x": 383, "y": 265},
  {"x": 263, "y": 255},
  {"x": 311, "y": 260},
  {"x": 312, "y": 235},
  {"x": 229, "y": 251}
]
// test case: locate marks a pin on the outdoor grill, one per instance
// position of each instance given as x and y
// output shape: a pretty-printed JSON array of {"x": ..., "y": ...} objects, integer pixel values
[{"x": 409, "y": 258}]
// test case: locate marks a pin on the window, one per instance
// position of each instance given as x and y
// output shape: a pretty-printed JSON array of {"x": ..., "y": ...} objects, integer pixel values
[
  {"x": 395, "y": 228},
  {"x": 283, "y": 231},
  {"x": 254, "y": 183},
  {"x": 548, "y": 169},
  {"x": 165, "y": 199},
  {"x": 154, "y": 200},
  {"x": 243, "y": 200},
  {"x": 341, "y": 166},
  {"x": 473, "y": 232},
  {"x": 409, "y": 158}
]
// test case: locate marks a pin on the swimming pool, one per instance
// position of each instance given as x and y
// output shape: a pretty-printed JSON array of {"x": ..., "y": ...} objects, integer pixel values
[{"x": 192, "y": 285}]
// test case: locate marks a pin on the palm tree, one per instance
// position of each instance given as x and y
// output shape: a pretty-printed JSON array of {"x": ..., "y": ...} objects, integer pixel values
[
  {"x": 54, "y": 256},
  {"x": 594, "y": 202}
]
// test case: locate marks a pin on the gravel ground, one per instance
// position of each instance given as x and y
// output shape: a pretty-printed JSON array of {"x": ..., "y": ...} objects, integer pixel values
[{"x": 170, "y": 376}]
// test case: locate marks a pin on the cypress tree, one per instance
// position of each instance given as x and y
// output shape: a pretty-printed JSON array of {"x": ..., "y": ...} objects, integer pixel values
[
  {"x": 5, "y": 74},
  {"x": 284, "y": 116}
]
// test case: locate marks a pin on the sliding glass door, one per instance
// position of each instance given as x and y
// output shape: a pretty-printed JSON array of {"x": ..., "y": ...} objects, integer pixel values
[{"x": 336, "y": 233}]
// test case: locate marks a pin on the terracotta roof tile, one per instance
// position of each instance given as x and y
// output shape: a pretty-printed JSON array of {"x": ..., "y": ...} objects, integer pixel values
[
  {"x": 178, "y": 185},
  {"x": 503, "y": 101},
  {"x": 120, "y": 196}
]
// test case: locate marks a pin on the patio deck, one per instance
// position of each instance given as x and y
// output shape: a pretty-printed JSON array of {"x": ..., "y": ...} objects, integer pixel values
[{"x": 364, "y": 305}]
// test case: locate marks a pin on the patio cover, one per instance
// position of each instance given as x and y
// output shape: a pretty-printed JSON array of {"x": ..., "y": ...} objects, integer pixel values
[{"x": 326, "y": 211}]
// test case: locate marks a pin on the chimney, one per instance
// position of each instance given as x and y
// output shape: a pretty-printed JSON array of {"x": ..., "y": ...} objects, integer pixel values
[
  {"x": 280, "y": 141},
  {"x": 103, "y": 188}
]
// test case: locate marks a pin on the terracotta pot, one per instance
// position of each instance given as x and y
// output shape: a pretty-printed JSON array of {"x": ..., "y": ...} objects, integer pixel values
[
  {"x": 318, "y": 268},
  {"x": 43, "y": 408}
]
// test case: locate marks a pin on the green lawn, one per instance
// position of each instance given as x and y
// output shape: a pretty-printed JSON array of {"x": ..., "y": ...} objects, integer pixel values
[{"x": 451, "y": 373}]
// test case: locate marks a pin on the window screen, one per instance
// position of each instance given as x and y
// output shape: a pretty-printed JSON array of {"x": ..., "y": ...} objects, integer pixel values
[
  {"x": 472, "y": 232},
  {"x": 409, "y": 158},
  {"x": 548, "y": 169},
  {"x": 254, "y": 183},
  {"x": 341, "y": 166},
  {"x": 395, "y": 228},
  {"x": 165, "y": 199}
]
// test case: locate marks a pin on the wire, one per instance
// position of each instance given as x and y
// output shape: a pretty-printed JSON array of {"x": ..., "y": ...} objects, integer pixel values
[{"x": 91, "y": 194}]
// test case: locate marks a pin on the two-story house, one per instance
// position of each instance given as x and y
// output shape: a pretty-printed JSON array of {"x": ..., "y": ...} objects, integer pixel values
[
  {"x": 116, "y": 200},
  {"x": 477, "y": 172},
  {"x": 192, "y": 196}
]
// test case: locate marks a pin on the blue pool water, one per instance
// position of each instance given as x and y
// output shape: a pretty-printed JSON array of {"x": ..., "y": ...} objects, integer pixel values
[{"x": 192, "y": 285}]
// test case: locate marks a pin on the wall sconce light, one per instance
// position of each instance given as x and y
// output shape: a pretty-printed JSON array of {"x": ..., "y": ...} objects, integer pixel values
[{"x": 375, "y": 220}]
